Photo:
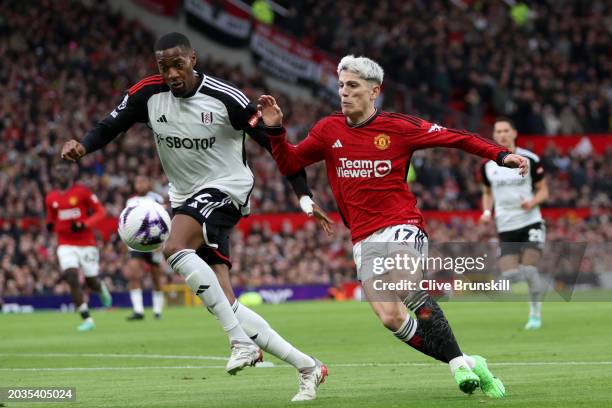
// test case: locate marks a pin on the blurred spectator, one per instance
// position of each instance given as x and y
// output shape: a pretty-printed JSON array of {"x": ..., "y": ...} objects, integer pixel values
[{"x": 511, "y": 59}]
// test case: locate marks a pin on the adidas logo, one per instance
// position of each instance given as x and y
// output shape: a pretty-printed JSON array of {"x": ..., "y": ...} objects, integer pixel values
[
  {"x": 337, "y": 144},
  {"x": 162, "y": 119}
]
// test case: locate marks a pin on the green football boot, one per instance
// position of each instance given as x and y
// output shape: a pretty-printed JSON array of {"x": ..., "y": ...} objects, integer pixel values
[
  {"x": 534, "y": 323},
  {"x": 105, "y": 296},
  {"x": 466, "y": 380},
  {"x": 87, "y": 325},
  {"x": 489, "y": 384}
]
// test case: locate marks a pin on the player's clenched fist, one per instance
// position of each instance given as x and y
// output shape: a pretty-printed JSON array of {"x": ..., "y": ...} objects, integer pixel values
[{"x": 73, "y": 150}]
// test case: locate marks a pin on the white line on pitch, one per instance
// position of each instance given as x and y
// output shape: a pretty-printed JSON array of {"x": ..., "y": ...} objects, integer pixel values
[
  {"x": 347, "y": 365},
  {"x": 108, "y": 368},
  {"x": 115, "y": 355}
]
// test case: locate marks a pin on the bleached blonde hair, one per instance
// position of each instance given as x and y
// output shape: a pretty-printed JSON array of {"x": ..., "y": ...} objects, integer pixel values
[{"x": 364, "y": 67}]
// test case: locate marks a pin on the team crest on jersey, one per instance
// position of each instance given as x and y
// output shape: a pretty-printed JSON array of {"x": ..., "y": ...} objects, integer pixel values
[
  {"x": 207, "y": 118},
  {"x": 382, "y": 141},
  {"x": 73, "y": 200}
]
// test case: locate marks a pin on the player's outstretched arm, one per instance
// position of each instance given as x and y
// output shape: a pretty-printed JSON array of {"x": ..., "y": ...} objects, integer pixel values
[
  {"x": 289, "y": 158},
  {"x": 299, "y": 183},
  {"x": 130, "y": 110},
  {"x": 427, "y": 134}
]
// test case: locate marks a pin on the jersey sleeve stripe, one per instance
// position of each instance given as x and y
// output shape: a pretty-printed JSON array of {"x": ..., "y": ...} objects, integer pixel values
[
  {"x": 465, "y": 132},
  {"x": 237, "y": 91},
  {"x": 411, "y": 119},
  {"x": 154, "y": 79},
  {"x": 242, "y": 104},
  {"x": 141, "y": 85},
  {"x": 233, "y": 92}
]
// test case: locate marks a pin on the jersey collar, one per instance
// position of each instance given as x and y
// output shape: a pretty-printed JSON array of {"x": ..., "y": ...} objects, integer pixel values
[
  {"x": 200, "y": 78},
  {"x": 364, "y": 122}
]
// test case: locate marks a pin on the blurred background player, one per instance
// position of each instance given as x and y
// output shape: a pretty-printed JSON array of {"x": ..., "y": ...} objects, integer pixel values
[
  {"x": 72, "y": 211},
  {"x": 519, "y": 222},
  {"x": 140, "y": 261}
]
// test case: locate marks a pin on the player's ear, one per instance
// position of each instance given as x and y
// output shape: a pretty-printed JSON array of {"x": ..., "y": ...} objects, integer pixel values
[
  {"x": 375, "y": 91},
  {"x": 193, "y": 58}
]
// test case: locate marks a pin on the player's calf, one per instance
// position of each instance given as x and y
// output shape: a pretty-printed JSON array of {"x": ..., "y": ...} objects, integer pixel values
[
  {"x": 431, "y": 334},
  {"x": 203, "y": 282}
]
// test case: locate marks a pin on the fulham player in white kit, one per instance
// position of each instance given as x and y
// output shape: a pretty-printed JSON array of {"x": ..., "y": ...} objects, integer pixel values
[
  {"x": 200, "y": 124},
  {"x": 519, "y": 222}
]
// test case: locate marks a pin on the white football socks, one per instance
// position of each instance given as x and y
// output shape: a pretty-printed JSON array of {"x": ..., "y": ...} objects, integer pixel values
[
  {"x": 136, "y": 298},
  {"x": 407, "y": 329},
  {"x": 457, "y": 362},
  {"x": 203, "y": 281},
  {"x": 470, "y": 361},
  {"x": 536, "y": 289},
  {"x": 268, "y": 339},
  {"x": 158, "y": 301}
]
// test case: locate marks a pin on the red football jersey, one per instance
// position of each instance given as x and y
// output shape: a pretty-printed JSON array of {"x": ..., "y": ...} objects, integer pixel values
[
  {"x": 367, "y": 164},
  {"x": 77, "y": 203}
]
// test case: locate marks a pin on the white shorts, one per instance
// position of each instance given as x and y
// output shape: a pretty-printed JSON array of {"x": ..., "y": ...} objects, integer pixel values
[
  {"x": 405, "y": 233},
  {"x": 84, "y": 257}
]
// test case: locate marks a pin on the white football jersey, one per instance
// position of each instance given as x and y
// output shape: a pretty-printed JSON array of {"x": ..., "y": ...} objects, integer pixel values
[
  {"x": 199, "y": 138},
  {"x": 509, "y": 189}
]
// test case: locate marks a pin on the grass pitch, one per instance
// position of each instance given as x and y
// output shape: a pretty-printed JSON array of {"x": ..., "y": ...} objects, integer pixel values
[{"x": 178, "y": 361}]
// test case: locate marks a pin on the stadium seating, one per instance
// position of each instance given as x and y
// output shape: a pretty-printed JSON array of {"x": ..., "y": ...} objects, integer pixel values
[{"x": 59, "y": 79}]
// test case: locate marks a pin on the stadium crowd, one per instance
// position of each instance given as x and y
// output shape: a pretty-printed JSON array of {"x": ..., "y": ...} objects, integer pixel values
[
  {"x": 547, "y": 66},
  {"x": 57, "y": 80}
]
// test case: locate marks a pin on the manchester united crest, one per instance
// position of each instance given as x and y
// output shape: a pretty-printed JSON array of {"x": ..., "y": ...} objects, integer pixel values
[
  {"x": 382, "y": 141},
  {"x": 73, "y": 200}
]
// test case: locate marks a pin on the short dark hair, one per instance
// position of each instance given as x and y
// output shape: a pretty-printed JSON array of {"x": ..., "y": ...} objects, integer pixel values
[
  {"x": 505, "y": 119},
  {"x": 172, "y": 40}
]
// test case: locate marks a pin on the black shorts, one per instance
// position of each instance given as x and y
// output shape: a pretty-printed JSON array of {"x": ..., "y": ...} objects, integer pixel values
[
  {"x": 516, "y": 241},
  {"x": 217, "y": 214},
  {"x": 148, "y": 257}
]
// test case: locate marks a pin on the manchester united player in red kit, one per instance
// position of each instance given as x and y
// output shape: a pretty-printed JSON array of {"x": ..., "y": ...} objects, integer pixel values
[
  {"x": 367, "y": 154},
  {"x": 72, "y": 211}
]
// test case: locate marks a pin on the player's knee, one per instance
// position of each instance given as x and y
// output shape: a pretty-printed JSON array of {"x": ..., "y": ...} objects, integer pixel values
[
  {"x": 71, "y": 276},
  {"x": 391, "y": 319},
  {"x": 171, "y": 248}
]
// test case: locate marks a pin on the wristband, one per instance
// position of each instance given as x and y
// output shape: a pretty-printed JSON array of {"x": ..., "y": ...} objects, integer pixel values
[
  {"x": 486, "y": 213},
  {"x": 306, "y": 204}
]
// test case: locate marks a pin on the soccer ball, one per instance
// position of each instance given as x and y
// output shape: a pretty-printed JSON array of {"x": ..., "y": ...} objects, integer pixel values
[{"x": 145, "y": 226}]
